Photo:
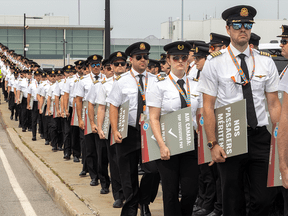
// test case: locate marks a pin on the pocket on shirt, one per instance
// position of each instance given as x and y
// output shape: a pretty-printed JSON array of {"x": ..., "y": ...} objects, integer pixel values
[
  {"x": 258, "y": 84},
  {"x": 228, "y": 86}
]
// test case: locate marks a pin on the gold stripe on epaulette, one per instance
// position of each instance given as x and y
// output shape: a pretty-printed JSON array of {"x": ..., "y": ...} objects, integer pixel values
[
  {"x": 96, "y": 81},
  {"x": 265, "y": 54},
  {"x": 214, "y": 54},
  {"x": 76, "y": 80},
  {"x": 118, "y": 77},
  {"x": 160, "y": 78},
  {"x": 103, "y": 81},
  {"x": 81, "y": 78}
]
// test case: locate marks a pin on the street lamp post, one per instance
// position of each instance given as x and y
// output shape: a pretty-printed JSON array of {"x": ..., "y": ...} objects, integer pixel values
[
  {"x": 24, "y": 33},
  {"x": 107, "y": 29}
]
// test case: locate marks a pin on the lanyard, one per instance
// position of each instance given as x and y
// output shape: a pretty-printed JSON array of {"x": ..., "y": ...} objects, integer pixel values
[
  {"x": 140, "y": 88},
  {"x": 187, "y": 98},
  {"x": 282, "y": 74},
  {"x": 241, "y": 72}
]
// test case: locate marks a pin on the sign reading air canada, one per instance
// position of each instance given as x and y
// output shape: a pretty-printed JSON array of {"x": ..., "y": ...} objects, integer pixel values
[
  {"x": 231, "y": 131},
  {"x": 274, "y": 174},
  {"x": 123, "y": 115},
  {"x": 177, "y": 133}
]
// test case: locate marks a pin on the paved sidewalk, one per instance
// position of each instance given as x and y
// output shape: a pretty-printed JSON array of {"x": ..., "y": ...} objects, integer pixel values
[{"x": 60, "y": 178}]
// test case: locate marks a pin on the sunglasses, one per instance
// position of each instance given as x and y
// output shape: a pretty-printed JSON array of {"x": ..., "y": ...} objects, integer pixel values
[
  {"x": 237, "y": 26},
  {"x": 283, "y": 41},
  {"x": 163, "y": 62},
  {"x": 139, "y": 57},
  {"x": 151, "y": 67},
  {"x": 116, "y": 64},
  {"x": 213, "y": 47},
  {"x": 52, "y": 76},
  {"x": 95, "y": 65},
  {"x": 108, "y": 68},
  {"x": 183, "y": 58}
]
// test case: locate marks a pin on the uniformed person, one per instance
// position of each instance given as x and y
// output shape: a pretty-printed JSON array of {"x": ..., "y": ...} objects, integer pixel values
[
  {"x": 131, "y": 86},
  {"x": 218, "y": 42},
  {"x": 154, "y": 67},
  {"x": 221, "y": 85},
  {"x": 118, "y": 64},
  {"x": 165, "y": 97},
  {"x": 32, "y": 93},
  {"x": 42, "y": 83},
  {"x": 191, "y": 70},
  {"x": 89, "y": 153},
  {"x": 165, "y": 67},
  {"x": 254, "y": 41},
  {"x": 282, "y": 131}
]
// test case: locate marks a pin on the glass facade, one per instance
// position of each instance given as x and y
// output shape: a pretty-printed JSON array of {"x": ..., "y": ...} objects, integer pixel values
[{"x": 48, "y": 43}]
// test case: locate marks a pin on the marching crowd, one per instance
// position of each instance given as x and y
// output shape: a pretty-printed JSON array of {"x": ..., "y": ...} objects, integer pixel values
[{"x": 195, "y": 74}]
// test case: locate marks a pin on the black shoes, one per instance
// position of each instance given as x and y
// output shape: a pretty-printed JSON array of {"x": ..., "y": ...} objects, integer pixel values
[
  {"x": 16, "y": 118},
  {"x": 11, "y": 117},
  {"x": 66, "y": 157},
  {"x": 33, "y": 138},
  {"x": 202, "y": 212},
  {"x": 94, "y": 182},
  {"x": 41, "y": 136},
  {"x": 60, "y": 149},
  {"x": 29, "y": 129},
  {"x": 54, "y": 148},
  {"x": 82, "y": 173},
  {"x": 76, "y": 159},
  {"x": 104, "y": 191},
  {"x": 46, "y": 142},
  {"x": 145, "y": 211},
  {"x": 23, "y": 130},
  {"x": 118, "y": 203}
]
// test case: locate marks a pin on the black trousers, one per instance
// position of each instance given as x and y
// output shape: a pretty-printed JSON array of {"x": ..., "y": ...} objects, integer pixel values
[
  {"x": 12, "y": 104},
  {"x": 24, "y": 114},
  {"x": 59, "y": 131},
  {"x": 90, "y": 155},
  {"x": 67, "y": 134},
  {"x": 114, "y": 171},
  {"x": 173, "y": 172},
  {"x": 18, "y": 107},
  {"x": 53, "y": 131},
  {"x": 45, "y": 125},
  {"x": 75, "y": 140},
  {"x": 35, "y": 115},
  {"x": 149, "y": 183},
  {"x": 29, "y": 119},
  {"x": 3, "y": 90},
  {"x": 128, "y": 154},
  {"x": 83, "y": 149},
  {"x": 285, "y": 196},
  {"x": 255, "y": 164},
  {"x": 103, "y": 161}
]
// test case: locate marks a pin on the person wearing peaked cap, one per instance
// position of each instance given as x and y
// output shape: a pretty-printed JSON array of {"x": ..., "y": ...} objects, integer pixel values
[
  {"x": 254, "y": 41},
  {"x": 80, "y": 65},
  {"x": 10, "y": 90},
  {"x": 154, "y": 67},
  {"x": 165, "y": 67},
  {"x": 282, "y": 134},
  {"x": 218, "y": 42},
  {"x": 33, "y": 101},
  {"x": 191, "y": 67},
  {"x": 118, "y": 63},
  {"x": 131, "y": 84},
  {"x": 94, "y": 66},
  {"x": 230, "y": 76},
  {"x": 173, "y": 169}
]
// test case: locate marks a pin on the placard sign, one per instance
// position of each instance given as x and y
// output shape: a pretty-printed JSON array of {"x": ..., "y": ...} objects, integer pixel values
[
  {"x": 177, "y": 133},
  {"x": 31, "y": 102},
  {"x": 274, "y": 174},
  {"x": 106, "y": 122},
  {"x": 123, "y": 115},
  {"x": 231, "y": 131}
]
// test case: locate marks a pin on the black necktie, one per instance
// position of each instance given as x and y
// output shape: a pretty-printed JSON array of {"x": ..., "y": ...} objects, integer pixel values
[
  {"x": 198, "y": 74},
  {"x": 140, "y": 102},
  {"x": 247, "y": 94},
  {"x": 96, "y": 77},
  {"x": 188, "y": 70},
  {"x": 183, "y": 102}
]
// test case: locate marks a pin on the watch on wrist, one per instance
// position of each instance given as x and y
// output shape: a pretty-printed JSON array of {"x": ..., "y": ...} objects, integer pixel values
[{"x": 211, "y": 144}]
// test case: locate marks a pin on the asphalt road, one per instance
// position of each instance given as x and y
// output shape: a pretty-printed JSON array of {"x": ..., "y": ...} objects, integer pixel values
[{"x": 20, "y": 192}]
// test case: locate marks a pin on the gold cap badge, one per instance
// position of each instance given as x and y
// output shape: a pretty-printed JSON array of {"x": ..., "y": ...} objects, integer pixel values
[
  {"x": 180, "y": 47},
  {"x": 244, "y": 12},
  {"x": 142, "y": 46},
  {"x": 53, "y": 72},
  {"x": 80, "y": 62},
  {"x": 196, "y": 49},
  {"x": 69, "y": 67},
  {"x": 94, "y": 57},
  {"x": 211, "y": 37},
  {"x": 119, "y": 54},
  {"x": 282, "y": 29}
]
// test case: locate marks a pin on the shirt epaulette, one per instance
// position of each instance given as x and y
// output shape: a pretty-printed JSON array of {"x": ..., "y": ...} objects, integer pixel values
[
  {"x": 76, "y": 80},
  {"x": 264, "y": 53},
  {"x": 104, "y": 81},
  {"x": 81, "y": 78},
  {"x": 44, "y": 85},
  {"x": 160, "y": 78},
  {"x": 59, "y": 81},
  {"x": 96, "y": 81},
  {"x": 70, "y": 76},
  {"x": 118, "y": 77},
  {"x": 215, "y": 54}
]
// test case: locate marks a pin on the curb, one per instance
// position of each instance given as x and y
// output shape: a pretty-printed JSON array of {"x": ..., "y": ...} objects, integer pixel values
[{"x": 67, "y": 201}]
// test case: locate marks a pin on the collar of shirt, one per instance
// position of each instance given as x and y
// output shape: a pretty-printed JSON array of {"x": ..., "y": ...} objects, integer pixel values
[
  {"x": 237, "y": 52},
  {"x": 192, "y": 63},
  {"x": 136, "y": 73},
  {"x": 176, "y": 78}
]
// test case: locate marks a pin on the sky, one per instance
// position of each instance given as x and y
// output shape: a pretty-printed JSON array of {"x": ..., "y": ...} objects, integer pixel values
[{"x": 138, "y": 18}]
